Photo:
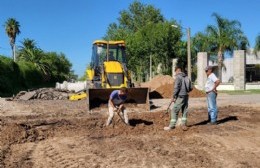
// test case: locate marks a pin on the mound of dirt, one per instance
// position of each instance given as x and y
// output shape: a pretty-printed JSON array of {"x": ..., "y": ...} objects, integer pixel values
[
  {"x": 43, "y": 94},
  {"x": 162, "y": 86}
]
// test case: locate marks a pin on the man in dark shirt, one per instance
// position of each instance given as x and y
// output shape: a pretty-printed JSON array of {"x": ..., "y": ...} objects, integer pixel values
[{"x": 180, "y": 99}]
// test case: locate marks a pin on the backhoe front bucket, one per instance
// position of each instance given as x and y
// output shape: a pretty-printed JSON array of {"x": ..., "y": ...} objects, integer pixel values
[{"x": 136, "y": 98}]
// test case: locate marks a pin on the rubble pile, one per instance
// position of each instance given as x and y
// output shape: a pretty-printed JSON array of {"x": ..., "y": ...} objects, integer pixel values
[
  {"x": 161, "y": 86},
  {"x": 43, "y": 94}
]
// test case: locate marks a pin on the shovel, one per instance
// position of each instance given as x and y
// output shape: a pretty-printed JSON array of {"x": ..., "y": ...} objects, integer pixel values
[
  {"x": 167, "y": 110},
  {"x": 117, "y": 111}
]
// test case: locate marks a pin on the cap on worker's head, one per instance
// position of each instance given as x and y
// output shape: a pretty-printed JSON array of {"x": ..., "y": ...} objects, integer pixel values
[{"x": 208, "y": 68}]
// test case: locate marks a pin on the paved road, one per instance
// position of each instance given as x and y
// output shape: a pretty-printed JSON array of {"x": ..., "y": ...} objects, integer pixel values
[{"x": 252, "y": 100}]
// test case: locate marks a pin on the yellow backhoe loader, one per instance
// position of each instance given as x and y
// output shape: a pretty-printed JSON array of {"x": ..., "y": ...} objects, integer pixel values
[{"x": 109, "y": 71}]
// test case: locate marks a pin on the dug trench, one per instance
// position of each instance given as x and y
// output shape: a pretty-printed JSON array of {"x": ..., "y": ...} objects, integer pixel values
[{"x": 82, "y": 140}]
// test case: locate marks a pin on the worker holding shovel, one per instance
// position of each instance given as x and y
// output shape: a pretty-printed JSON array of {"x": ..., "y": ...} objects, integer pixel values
[
  {"x": 116, "y": 104},
  {"x": 180, "y": 98}
]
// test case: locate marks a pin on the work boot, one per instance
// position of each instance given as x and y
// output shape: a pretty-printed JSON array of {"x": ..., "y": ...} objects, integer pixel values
[
  {"x": 168, "y": 128},
  {"x": 184, "y": 127},
  {"x": 212, "y": 123}
]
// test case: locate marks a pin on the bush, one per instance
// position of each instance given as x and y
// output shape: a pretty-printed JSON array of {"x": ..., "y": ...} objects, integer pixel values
[
  {"x": 10, "y": 78},
  {"x": 31, "y": 76},
  {"x": 15, "y": 77}
]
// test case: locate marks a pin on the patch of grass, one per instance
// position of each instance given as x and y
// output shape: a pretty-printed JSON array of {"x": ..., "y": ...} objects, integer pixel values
[{"x": 240, "y": 92}]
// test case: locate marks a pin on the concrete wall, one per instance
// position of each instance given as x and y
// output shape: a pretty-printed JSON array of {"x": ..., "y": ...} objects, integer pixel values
[
  {"x": 202, "y": 63},
  {"x": 228, "y": 71},
  {"x": 239, "y": 63},
  {"x": 234, "y": 77},
  {"x": 248, "y": 86},
  {"x": 174, "y": 62},
  {"x": 251, "y": 58}
]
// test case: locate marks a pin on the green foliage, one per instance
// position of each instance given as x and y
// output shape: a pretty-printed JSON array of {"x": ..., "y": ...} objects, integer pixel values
[
  {"x": 135, "y": 18},
  {"x": 147, "y": 33},
  {"x": 200, "y": 42},
  {"x": 85, "y": 76},
  {"x": 34, "y": 69},
  {"x": 54, "y": 67},
  {"x": 12, "y": 29},
  {"x": 225, "y": 36},
  {"x": 257, "y": 44},
  {"x": 160, "y": 41},
  {"x": 241, "y": 92},
  {"x": 59, "y": 67},
  {"x": 10, "y": 78},
  {"x": 31, "y": 76}
]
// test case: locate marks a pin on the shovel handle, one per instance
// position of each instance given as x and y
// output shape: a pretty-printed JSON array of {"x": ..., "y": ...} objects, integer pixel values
[{"x": 168, "y": 107}]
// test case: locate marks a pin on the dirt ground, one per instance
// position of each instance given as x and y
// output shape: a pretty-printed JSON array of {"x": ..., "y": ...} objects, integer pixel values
[{"x": 61, "y": 133}]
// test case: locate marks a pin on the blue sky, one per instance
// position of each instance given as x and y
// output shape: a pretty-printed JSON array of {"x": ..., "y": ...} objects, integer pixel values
[{"x": 70, "y": 26}]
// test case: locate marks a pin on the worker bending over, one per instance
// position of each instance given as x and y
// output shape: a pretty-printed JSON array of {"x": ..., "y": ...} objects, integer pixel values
[{"x": 116, "y": 104}]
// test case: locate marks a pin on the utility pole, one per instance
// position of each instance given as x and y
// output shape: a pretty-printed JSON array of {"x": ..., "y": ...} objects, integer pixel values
[
  {"x": 189, "y": 53},
  {"x": 188, "y": 49},
  {"x": 150, "y": 67}
]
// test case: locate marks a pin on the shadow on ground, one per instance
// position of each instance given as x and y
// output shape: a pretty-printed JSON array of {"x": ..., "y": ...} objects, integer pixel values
[
  {"x": 227, "y": 119},
  {"x": 135, "y": 122}
]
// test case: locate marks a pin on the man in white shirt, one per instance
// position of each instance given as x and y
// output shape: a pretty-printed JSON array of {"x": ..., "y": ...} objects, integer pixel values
[{"x": 211, "y": 91}]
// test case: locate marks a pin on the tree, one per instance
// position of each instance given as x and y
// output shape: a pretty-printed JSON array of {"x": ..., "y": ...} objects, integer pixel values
[
  {"x": 30, "y": 53},
  {"x": 12, "y": 29},
  {"x": 36, "y": 56},
  {"x": 200, "y": 42},
  {"x": 59, "y": 66},
  {"x": 257, "y": 44},
  {"x": 147, "y": 34},
  {"x": 27, "y": 44},
  {"x": 130, "y": 21},
  {"x": 225, "y": 36}
]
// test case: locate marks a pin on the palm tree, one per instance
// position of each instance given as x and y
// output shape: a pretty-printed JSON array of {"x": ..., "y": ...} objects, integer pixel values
[
  {"x": 31, "y": 53},
  {"x": 257, "y": 44},
  {"x": 225, "y": 36},
  {"x": 200, "y": 42},
  {"x": 12, "y": 28},
  {"x": 35, "y": 56},
  {"x": 27, "y": 44}
]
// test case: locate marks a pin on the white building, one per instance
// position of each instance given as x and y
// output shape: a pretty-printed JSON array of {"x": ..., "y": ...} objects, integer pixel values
[{"x": 252, "y": 68}]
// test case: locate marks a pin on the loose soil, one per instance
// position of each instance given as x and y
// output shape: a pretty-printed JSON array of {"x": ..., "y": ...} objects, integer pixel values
[
  {"x": 61, "y": 133},
  {"x": 162, "y": 86}
]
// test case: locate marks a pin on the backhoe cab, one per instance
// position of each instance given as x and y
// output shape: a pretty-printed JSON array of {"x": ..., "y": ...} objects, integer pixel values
[{"x": 108, "y": 71}]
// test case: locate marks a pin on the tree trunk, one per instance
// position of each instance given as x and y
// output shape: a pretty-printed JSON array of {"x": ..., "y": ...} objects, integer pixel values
[
  {"x": 12, "y": 47},
  {"x": 220, "y": 63}
]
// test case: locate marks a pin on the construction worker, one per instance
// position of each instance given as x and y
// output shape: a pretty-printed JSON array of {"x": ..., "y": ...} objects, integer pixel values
[
  {"x": 116, "y": 104},
  {"x": 211, "y": 91},
  {"x": 180, "y": 99}
]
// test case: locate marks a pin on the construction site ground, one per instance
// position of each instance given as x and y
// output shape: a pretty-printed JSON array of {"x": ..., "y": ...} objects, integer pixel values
[{"x": 61, "y": 133}]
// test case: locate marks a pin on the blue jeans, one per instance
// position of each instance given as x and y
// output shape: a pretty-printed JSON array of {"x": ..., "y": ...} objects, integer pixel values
[{"x": 212, "y": 106}]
